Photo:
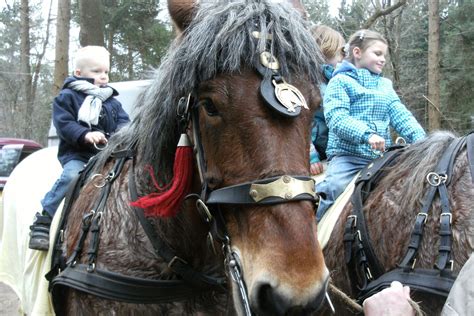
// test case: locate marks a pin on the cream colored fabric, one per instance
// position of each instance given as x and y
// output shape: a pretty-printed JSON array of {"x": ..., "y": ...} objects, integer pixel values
[
  {"x": 461, "y": 297},
  {"x": 21, "y": 268},
  {"x": 327, "y": 223}
]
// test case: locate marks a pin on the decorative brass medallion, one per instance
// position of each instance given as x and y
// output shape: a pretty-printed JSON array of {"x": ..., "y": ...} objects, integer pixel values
[
  {"x": 289, "y": 96},
  {"x": 285, "y": 187}
]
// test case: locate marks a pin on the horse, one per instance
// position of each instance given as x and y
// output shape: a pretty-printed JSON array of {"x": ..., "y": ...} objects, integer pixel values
[
  {"x": 391, "y": 209},
  {"x": 238, "y": 232}
]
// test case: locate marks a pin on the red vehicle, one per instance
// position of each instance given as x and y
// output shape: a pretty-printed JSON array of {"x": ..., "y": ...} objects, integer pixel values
[{"x": 12, "y": 151}]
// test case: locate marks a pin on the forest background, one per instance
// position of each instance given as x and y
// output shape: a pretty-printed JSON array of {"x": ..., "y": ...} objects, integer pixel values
[{"x": 430, "y": 47}]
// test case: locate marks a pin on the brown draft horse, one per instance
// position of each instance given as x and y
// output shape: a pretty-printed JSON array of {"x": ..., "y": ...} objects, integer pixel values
[
  {"x": 391, "y": 210},
  {"x": 243, "y": 139}
]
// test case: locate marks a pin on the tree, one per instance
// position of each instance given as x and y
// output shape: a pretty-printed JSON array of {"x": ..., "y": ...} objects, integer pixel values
[
  {"x": 136, "y": 38},
  {"x": 62, "y": 44},
  {"x": 433, "y": 66},
  {"x": 26, "y": 97},
  {"x": 91, "y": 22}
]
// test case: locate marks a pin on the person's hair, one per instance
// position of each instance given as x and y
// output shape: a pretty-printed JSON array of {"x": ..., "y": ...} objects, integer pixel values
[
  {"x": 328, "y": 40},
  {"x": 87, "y": 53},
  {"x": 362, "y": 39}
]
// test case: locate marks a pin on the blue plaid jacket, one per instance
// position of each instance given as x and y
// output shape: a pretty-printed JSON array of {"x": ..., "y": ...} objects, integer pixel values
[{"x": 357, "y": 104}]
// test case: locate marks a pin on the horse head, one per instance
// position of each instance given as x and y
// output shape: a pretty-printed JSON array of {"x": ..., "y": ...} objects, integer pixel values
[{"x": 244, "y": 139}]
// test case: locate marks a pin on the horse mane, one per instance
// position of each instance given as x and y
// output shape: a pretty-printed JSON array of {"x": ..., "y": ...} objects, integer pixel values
[
  {"x": 414, "y": 164},
  {"x": 217, "y": 41}
]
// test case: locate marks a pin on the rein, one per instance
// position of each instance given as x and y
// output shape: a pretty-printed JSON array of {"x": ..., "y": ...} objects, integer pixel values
[{"x": 366, "y": 273}]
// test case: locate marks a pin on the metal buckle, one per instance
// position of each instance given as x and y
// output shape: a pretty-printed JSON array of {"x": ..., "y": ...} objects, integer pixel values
[
  {"x": 173, "y": 261},
  {"x": 183, "y": 109},
  {"x": 354, "y": 224},
  {"x": 423, "y": 214},
  {"x": 435, "y": 179},
  {"x": 368, "y": 274},
  {"x": 100, "y": 148},
  {"x": 400, "y": 141},
  {"x": 446, "y": 214},
  {"x": 204, "y": 210},
  {"x": 91, "y": 267}
]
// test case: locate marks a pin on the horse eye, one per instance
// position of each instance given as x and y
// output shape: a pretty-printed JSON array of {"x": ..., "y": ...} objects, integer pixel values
[{"x": 209, "y": 106}]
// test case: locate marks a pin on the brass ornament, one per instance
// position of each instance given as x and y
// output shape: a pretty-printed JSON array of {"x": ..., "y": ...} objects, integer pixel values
[
  {"x": 285, "y": 187},
  {"x": 269, "y": 61},
  {"x": 258, "y": 35},
  {"x": 289, "y": 96}
]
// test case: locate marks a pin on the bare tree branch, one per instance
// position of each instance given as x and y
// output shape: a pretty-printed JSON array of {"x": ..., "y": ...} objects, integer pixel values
[{"x": 381, "y": 12}]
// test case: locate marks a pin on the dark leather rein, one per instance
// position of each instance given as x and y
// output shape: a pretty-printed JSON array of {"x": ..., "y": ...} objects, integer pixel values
[{"x": 366, "y": 273}]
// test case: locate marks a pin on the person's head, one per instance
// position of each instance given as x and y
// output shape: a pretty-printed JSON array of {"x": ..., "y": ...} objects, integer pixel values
[
  {"x": 367, "y": 49},
  {"x": 93, "y": 62},
  {"x": 331, "y": 43}
]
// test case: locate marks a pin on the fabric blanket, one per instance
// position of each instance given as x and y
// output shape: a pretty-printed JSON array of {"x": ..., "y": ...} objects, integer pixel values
[
  {"x": 21, "y": 268},
  {"x": 327, "y": 223}
]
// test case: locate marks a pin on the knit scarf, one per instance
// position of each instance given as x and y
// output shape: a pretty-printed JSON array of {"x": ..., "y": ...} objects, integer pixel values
[{"x": 92, "y": 104}]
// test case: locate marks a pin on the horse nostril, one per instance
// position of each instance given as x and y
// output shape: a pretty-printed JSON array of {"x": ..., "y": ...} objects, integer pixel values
[{"x": 269, "y": 302}]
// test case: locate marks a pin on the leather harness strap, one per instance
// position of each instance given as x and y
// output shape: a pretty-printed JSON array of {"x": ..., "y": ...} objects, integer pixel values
[
  {"x": 119, "y": 287},
  {"x": 175, "y": 263},
  {"x": 362, "y": 262},
  {"x": 365, "y": 271}
]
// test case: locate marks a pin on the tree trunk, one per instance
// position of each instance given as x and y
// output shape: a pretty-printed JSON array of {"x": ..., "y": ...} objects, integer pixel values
[
  {"x": 62, "y": 44},
  {"x": 434, "y": 121},
  {"x": 39, "y": 60},
  {"x": 91, "y": 22},
  {"x": 26, "y": 98}
]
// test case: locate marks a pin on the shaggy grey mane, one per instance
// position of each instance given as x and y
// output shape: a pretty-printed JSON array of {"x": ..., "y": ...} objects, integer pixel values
[{"x": 217, "y": 41}]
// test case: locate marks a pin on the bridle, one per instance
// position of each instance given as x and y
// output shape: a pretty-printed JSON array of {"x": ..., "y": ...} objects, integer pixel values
[{"x": 268, "y": 191}]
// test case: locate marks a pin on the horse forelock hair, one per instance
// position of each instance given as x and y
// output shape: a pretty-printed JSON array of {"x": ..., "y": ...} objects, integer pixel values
[
  {"x": 415, "y": 163},
  {"x": 218, "y": 41}
]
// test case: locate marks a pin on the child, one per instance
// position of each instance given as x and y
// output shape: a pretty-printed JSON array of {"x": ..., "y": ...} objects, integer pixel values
[
  {"x": 359, "y": 106},
  {"x": 331, "y": 44},
  {"x": 85, "y": 114}
]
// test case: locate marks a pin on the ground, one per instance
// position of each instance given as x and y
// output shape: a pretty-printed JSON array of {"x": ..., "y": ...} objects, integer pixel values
[{"x": 9, "y": 303}]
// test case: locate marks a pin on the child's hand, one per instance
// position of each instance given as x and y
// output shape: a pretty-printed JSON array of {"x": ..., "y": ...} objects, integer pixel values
[
  {"x": 316, "y": 168},
  {"x": 95, "y": 138},
  {"x": 376, "y": 142}
]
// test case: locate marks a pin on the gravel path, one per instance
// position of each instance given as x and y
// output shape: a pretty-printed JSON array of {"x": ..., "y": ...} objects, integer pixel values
[{"x": 9, "y": 302}]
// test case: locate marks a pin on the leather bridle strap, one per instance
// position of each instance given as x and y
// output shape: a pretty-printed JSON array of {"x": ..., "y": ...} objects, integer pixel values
[
  {"x": 175, "y": 263},
  {"x": 248, "y": 193}
]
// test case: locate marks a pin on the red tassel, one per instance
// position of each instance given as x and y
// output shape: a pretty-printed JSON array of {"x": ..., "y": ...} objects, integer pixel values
[{"x": 167, "y": 203}]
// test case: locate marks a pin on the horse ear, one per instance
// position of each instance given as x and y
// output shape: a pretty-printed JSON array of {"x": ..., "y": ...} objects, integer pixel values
[
  {"x": 298, "y": 5},
  {"x": 182, "y": 12}
]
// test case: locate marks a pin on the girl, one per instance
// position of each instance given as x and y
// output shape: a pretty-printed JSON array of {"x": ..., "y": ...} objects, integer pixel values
[
  {"x": 331, "y": 44},
  {"x": 360, "y": 106}
]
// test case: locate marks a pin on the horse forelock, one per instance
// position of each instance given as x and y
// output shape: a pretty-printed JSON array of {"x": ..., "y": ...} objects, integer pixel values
[{"x": 218, "y": 41}]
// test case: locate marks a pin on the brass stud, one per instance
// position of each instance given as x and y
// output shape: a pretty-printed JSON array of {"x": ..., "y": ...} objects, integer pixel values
[
  {"x": 286, "y": 179},
  {"x": 253, "y": 193},
  {"x": 288, "y": 196}
]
